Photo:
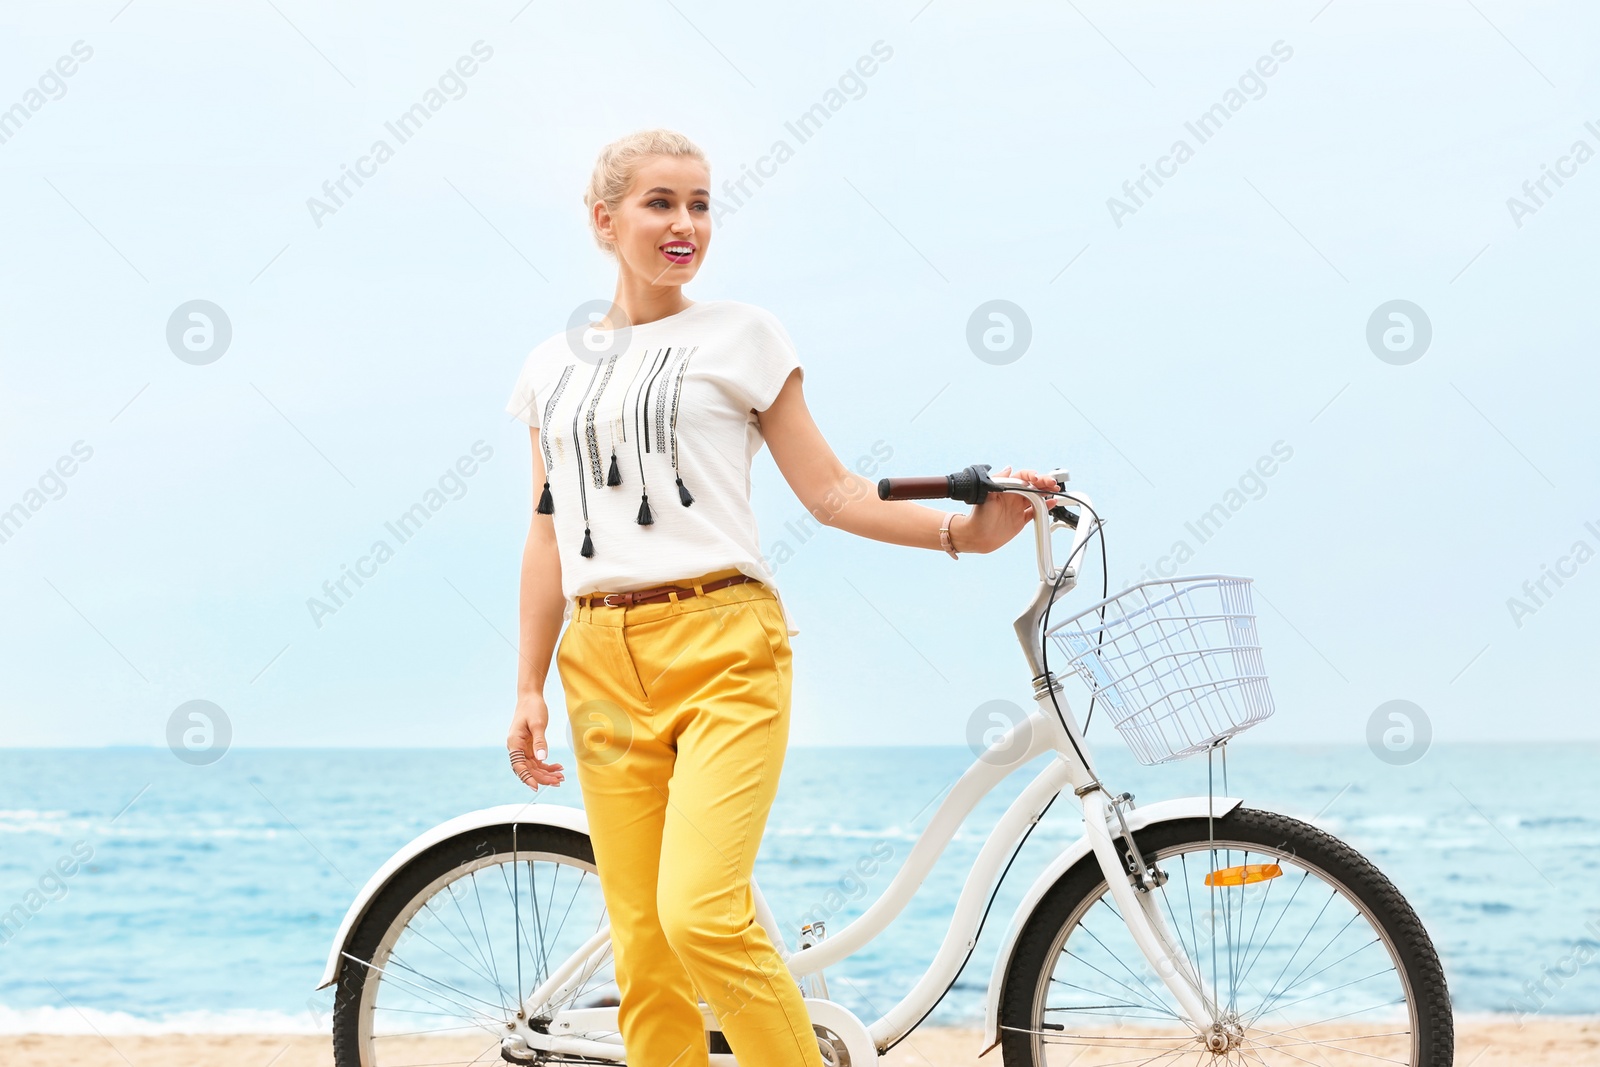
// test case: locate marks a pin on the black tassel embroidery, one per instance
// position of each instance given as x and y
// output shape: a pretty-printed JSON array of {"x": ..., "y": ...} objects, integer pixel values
[
  {"x": 645, "y": 517},
  {"x": 583, "y": 493},
  {"x": 594, "y": 442},
  {"x": 547, "y": 503},
  {"x": 677, "y": 390},
  {"x": 614, "y": 477}
]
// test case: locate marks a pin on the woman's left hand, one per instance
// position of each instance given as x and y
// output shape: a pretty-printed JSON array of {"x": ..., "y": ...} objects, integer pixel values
[{"x": 1001, "y": 516}]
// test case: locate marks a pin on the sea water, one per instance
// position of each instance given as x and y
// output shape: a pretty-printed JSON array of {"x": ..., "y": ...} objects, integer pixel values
[{"x": 161, "y": 896}]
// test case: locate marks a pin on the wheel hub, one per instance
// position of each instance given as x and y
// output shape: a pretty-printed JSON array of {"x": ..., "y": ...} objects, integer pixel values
[{"x": 1225, "y": 1036}]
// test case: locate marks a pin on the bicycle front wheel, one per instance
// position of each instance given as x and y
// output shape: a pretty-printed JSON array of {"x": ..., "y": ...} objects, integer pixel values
[{"x": 1309, "y": 955}]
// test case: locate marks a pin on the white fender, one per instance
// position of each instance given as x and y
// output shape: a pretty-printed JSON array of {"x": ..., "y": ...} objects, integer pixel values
[
  {"x": 547, "y": 814},
  {"x": 1138, "y": 818}
]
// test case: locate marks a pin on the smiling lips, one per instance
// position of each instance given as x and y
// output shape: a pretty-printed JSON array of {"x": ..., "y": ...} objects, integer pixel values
[{"x": 678, "y": 251}]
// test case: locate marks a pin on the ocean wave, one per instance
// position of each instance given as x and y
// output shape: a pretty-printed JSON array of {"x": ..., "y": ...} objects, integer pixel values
[
  {"x": 32, "y": 821},
  {"x": 90, "y": 1021},
  {"x": 65, "y": 825},
  {"x": 893, "y": 833}
]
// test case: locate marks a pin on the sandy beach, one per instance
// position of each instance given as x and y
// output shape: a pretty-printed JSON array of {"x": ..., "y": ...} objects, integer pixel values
[{"x": 1482, "y": 1042}]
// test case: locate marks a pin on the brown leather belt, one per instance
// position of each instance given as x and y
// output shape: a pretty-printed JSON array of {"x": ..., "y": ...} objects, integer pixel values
[{"x": 655, "y": 593}]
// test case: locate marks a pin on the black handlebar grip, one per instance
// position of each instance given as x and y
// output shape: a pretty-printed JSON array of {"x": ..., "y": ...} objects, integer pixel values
[{"x": 969, "y": 485}]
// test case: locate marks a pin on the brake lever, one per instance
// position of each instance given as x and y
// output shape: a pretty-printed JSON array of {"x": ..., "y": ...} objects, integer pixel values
[{"x": 984, "y": 484}]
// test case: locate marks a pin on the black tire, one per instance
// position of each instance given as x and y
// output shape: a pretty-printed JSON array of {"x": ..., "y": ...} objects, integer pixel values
[
  {"x": 403, "y": 889},
  {"x": 1408, "y": 945}
]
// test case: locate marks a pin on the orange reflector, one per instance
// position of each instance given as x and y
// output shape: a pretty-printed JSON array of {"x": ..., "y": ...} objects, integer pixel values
[{"x": 1250, "y": 872}]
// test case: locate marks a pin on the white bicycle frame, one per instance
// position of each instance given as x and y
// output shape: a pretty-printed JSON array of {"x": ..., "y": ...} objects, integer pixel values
[{"x": 1039, "y": 733}]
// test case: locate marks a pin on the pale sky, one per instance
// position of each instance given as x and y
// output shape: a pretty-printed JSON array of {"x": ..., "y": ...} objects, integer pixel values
[{"x": 1178, "y": 339}]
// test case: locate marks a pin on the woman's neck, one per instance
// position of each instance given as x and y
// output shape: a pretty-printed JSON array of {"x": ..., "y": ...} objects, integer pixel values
[{"x": 637, "y": 302}]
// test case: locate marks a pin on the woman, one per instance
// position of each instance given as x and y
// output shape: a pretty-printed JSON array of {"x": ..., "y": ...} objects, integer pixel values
[{"x": 643, "y": 428}]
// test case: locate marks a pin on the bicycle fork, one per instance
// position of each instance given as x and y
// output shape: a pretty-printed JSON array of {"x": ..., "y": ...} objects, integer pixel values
[{"x": 1143, "y": 918}]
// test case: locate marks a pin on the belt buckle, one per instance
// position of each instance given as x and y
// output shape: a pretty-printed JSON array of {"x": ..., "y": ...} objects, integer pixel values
[{"x": 606, "y": 600}]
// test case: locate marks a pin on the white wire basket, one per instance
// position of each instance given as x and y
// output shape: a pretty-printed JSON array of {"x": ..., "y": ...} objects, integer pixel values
[{"x": 1176, "y": 663}]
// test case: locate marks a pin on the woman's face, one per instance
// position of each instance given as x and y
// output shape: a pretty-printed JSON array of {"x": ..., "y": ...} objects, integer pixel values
[{"x": 662, "y": 228}]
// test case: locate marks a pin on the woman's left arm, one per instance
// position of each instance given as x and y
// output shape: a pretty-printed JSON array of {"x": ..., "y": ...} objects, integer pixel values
[{"x": 841, "y": 498}]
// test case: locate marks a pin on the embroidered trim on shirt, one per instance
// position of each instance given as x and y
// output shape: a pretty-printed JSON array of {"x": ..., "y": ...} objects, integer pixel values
[
  {"x": 622, "y": 412},
  {"x": 550, "y": 409},
  {"x": 649, "y": 388},
  {"x": 677, "y": 390},
  {"x": 661, "y": 410},
  {"x": 594, "y": 443}
]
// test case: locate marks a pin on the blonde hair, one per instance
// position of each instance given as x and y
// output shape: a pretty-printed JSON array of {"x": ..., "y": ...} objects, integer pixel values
[{"x": 620, "y": 160}]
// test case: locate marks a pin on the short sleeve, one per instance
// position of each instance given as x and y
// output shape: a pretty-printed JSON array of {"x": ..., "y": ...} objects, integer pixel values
[
  {"x": 767, "y": 365},
  {"x": 524, "y": 402}
]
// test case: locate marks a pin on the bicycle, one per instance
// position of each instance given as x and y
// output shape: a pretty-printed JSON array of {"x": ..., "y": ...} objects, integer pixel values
[{"x": 1298, "y": 950}]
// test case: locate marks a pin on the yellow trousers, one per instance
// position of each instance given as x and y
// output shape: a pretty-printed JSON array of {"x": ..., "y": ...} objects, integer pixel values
[{"x": 680, "y": 720}]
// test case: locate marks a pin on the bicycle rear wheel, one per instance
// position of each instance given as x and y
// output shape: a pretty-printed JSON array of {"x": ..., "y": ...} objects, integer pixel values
[
  {"x": 1313, "y": 957},
  {"x": 437, "y": 968}
]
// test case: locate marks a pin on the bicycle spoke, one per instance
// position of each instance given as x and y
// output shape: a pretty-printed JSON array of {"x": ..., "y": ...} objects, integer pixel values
[
  {"x": 1263, "y": 1010},
  {"x": 393, "y": 1034},
  {"x": 520, "y": 933},
  {"x": 1233, "y": 985},
  {"x": 419, "y": 935},
  {"x": 1143, "y": 990},
  {"x": 1345, "y": 985},
  {"x": 1273, "y": 998},
  {"x": 537, "y": 921},
  {"x": 1177, "y": 928},
  {"x": 1335, "y": 985},
  {"x": 1262, "y": 910},
  {"x": 1331, "y": 1019},
  {"x": 490, "y": 1023},
  {"x": 1119, "y": 956},
  {"x": 1273, "y": 993},
  {"x": 1328, "y": 1043},
  {"x": 488, "y": 942},
  {"x": 1304, "y": 875},
  {"x": 1136, "y": 1061},
  {"x": 477, "y": 949},
  {"x": 448, "y": 958},
  {"x": 396, "y": 961}
]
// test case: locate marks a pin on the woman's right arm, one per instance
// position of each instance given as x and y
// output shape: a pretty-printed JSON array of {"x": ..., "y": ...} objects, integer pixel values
[{"x": 542, "y": 605}]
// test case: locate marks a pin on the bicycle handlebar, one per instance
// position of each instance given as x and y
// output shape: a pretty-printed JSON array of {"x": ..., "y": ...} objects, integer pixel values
[{"x": 971, "y": 485}]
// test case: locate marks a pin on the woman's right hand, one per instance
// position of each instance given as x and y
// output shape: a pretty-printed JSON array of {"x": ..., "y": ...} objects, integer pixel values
[
  {"x": 1002, "y": 516},
  {"x": 526, "y": 743}
]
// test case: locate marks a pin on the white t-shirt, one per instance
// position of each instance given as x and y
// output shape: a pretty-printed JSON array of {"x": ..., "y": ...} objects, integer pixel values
[{"x": 666, "y": 409}]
